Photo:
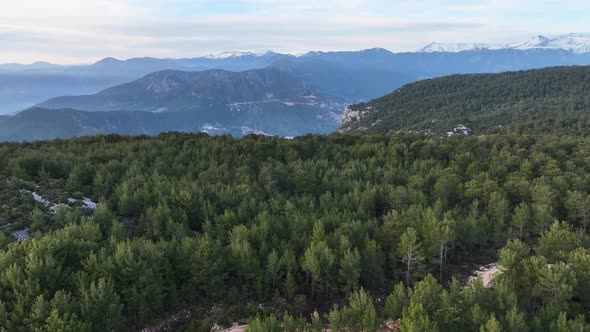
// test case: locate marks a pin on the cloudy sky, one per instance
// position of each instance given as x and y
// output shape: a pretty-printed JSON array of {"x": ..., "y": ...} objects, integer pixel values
[{"x": 83, "y": 31}]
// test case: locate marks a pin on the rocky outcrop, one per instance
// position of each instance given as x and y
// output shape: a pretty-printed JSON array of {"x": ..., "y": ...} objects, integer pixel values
[{"x": 351, "y": 115}]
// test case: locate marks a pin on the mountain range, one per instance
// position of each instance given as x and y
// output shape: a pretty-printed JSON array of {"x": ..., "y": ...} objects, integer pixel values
[
  {"x": 265, "y": 101},
  {"x": 22, "y": 86},
  {"x": 575, "y": 43},
  {"x": 198, "y": 92},
  {"x": 247, "y": 92},
  {"x": 354, "y": 76}
]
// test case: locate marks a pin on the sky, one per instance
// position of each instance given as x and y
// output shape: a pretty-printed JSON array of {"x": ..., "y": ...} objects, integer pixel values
[{"x": 84, "y": 31}]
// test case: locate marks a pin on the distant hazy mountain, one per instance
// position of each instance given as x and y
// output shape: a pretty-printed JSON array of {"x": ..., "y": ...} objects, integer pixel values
[
  {"x": 354, "y": 76},
  {"x": 20, "y": 90},
  {"x": 544, "y": 98},
  {"x": 365, "y": 75},
  {"x": 180, "y": 91},
  {"x": 234, "y": 61},
  {"x": 269, "y": 101},
  {"x": 459, "y": 47},
  {"x": 22, "y": 86},
  {"x": 34, "y": 66},
  {"x": 41, "y": 124}
]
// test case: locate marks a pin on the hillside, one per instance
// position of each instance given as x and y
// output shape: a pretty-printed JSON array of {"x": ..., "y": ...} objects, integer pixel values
[
  {"x": 22, "y": 86},
  {"x": 267, "y": 101},
  {"x": 221, "y": 229},
  {"x": 482, "y": 102},
  {"x": 41, "y": 124},
  {"x": 179, "y": 91}
]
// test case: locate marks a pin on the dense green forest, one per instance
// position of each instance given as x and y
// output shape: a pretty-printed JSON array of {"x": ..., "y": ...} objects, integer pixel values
[
  {"x": 341, "y": 231},
  {"x": 542, "y": 99}
]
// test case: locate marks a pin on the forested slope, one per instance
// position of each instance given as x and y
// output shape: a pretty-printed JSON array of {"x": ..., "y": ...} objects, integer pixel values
[
  {"x": 230, "y": 229},
  {"x": 42, "y": 124},
  {"x": 534, "y": 100}
]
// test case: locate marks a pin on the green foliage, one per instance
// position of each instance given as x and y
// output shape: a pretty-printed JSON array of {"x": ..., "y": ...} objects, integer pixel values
[
  {"x": 511, "y": 259},
  {"x": 292, "y": 324},
  {"x": 269, "y": 324},
  {"x": 492, "y": 325},
  {"x": 318, "y": 261},
  {"x": 560, "y": 325},
  {"x": 359, "y": 315},
  {"x": 516, "y": 321},
  {"x": 529, "y": 101},
  {"x": 521, "y": 222},
  {"x": 191, "y": 221},
  {"x": 350, "y": 270},
  {"x": 100, "y": 305},
  {"x": 555, "y": 286},
  {"x": 558, "y": 242},
  {"x": 409, "y": 251},
  {"x": 428, "y": 293},
  {"x": 579, "y": 261},
  {"x": 415, "y": 319},
  {"x": 395, "y": 302}
]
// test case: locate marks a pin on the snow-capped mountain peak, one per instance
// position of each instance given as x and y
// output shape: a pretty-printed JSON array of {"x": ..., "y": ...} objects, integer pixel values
[
  {"x": 575, "y": 43},
  {"x": 458, "y": 47},
  {"x": 236, "y": 54},
  {"x": 536, "y": 42}
]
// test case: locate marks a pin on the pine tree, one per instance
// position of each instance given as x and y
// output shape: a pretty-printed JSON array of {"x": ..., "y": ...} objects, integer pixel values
[
  {"x": 555, "y": 286},
  {"x": 441, "y": 235},
  {"x": 556, "y": 243},
  {"x": 350, "y": 270},
  {"x": 415, "y": 319},
  {"x": 409, "y": 252},
  {"x": 578, "y": 205},
  {"x": 396, "y": 301},
  {"x": 318, "y": 260},
  {"x": 492, "y": 325},
  {"x": 100, "y": 305},
  {"x": 520, "y": 221},
  {"x": 516, "y": 321}
]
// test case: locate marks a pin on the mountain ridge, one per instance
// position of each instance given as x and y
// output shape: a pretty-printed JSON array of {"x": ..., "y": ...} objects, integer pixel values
[
  {"x": 479, "y": 103},
  {"x": 352, "y": 75},
  {"x": 214, "y": 87},
  {"x": 565, "y": 42},
  {"x": 44, "y": 124},
  {"x": 572, "y": 42},
  {"x": 269, "y": 101}
]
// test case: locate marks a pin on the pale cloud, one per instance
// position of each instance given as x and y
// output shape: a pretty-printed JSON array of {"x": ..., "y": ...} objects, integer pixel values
[{"x": 75, "y": 31}]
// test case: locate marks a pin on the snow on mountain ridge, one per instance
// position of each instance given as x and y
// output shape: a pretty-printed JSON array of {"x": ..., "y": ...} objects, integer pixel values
[
  {"x": 575, "y": 43},
  {"x": 458, "y": 47},
  {"x": 535, "y": 42},
  {"x": 237, "y": 54}
]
